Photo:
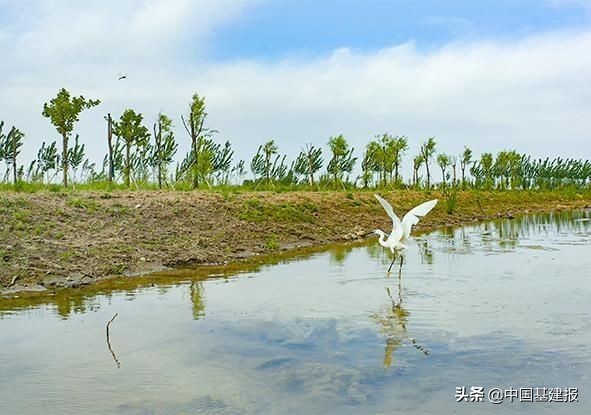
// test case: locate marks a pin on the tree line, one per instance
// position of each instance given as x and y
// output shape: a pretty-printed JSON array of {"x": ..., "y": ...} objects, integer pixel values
[{"x": 138, "y": 157}]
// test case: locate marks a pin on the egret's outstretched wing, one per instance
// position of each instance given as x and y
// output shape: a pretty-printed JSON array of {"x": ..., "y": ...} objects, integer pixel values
[
  {"x": 397, "y": 229},
  {"x": 413, "y": 215}
]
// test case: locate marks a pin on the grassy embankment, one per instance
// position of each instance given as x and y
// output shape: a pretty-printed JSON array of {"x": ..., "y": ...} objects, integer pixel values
[{"x": 77, "y": 237}]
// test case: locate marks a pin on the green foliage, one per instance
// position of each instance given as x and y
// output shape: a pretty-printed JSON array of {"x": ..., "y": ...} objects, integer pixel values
[
  {"x": 342, "y": 160},
  {"x": 268, "y": 166},
  {"x": 129, "y": 128},
  {"x": 272, "y": 243},
  {"x": 10, "y": 145},
  {"x": 165, "y": 147},
  {"x": 309, "y": 162},
  {"x": 465, "y": 161},
  {"x": 427, "y": 152},
  {"x": 443, "y": 161},
  {"x": 199, "y": 135},
  {"x": 64, "y": 111},
  {"x": 134, "y": 158}
]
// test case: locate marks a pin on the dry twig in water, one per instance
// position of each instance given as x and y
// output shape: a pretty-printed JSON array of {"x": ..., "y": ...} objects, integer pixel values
[{"x": 109, "y": 343}]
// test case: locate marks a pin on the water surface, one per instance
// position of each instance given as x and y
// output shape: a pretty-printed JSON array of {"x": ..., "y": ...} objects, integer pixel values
[{"x": 502, "y": 304}]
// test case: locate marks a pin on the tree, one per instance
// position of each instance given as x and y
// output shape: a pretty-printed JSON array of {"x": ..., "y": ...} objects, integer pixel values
[
  {"x": 165, "y": 147},
  {"x": 64, "y": 111},
  {"x": 130, "y": 129},
  {"x": 194, "y": 125},
  {"x": 342, "y": 160},
  {"x": 222, "y": 162},
  {"x": 239, "y": 171},
  {"x": 368, "y": 164},
  {"x": 10, "y": 145},
  {"x": 427, "y": 151},
  {"x": 443, "y": 161},
  {"x": 400, "y": 145},
  {"x": 309, "y": 162},
  {"x": 75, "y": 157},
  {"x": 486, "y": 164},
  {"x": 465, "y": 160},
  {"x": 47, "y": 159},
  {"x": 417, "y": 161},
  {"x": 111, "y": 173}
]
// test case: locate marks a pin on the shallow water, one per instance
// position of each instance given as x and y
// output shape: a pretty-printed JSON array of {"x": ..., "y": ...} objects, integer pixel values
[{"x": 498, "y": 305}]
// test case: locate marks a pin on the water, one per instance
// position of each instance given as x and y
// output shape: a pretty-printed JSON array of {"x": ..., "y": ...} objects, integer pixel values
[{"x": 503, "y": 304}]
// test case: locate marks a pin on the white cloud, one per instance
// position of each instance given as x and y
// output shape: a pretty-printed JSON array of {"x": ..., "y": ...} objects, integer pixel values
[{"x": 529, "y": 94}]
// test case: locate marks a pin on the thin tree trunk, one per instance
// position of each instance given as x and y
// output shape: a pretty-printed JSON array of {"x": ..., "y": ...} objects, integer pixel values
[
  {"x": 65, "y": 158},
  {"x": 110, "y": 142},
  {"x": 158, "y": 139},
  {"x": 463, "y": 175},
  {"x": 14, "y": 175},
  {"x": 127, "y": 164}
]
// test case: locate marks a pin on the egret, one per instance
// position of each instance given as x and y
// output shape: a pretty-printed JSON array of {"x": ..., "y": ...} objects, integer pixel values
[{"x": 401, "y": 229}]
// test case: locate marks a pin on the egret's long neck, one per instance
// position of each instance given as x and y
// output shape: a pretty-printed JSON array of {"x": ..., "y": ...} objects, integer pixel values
[{"x": 383, "y": 239}]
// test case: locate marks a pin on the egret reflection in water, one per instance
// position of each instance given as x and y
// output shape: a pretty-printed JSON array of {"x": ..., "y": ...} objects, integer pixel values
[{"x": 393, "y": 323}]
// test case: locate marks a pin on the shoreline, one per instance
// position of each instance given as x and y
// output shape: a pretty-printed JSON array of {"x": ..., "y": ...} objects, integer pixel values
[{"x": 73, "y": 239}]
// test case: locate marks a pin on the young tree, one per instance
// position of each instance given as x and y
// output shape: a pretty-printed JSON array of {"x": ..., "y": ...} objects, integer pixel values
[
  {"x": 130, "y": 129},
  {"x": 75, "y": 157},
  {"x": 194, "y": 125},
  {"x": 269, "y": 149},
  {"x": 309, "y": 162},
  {"x": 443, "y": 161},
  {"x": 465, "y": 160},
  {"x": 384, "y": 155},
  {"x": 47, "y": 159},
  {"x": 400, "y": 145},
  {"x": 427, "y": 151},
  {"x": 111, "y": 161},
  {"x": 222, "y": 162},
  {"x": 10, "y": 145},
  {"x": 342, "y": 160},
  {"x": 64, "y": 111},
  {"x": 239, "y": 171},
  {"x": 165, "y": 147},
  {"x": 486, "y": 164},
  {"x": 369, "y": 164},
  {"x": 417, "y": 161}
]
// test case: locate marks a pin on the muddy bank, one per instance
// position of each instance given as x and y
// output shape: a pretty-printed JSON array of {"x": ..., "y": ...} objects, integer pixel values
[{"x": 76, "y": 238}]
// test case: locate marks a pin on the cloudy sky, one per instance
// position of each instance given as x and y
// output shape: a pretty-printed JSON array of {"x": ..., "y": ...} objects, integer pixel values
[{"x": 492, "y": 75}]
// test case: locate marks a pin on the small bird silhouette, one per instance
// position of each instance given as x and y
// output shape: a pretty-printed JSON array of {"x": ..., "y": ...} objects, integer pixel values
[{"x": 122, "y": 77}]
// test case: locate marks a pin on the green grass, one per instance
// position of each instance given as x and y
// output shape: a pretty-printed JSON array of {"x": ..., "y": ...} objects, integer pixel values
[
  {"x": 80, "y": 203},
  {"x": 254, "y": 210},
  {"x": 272, "y": 243}
]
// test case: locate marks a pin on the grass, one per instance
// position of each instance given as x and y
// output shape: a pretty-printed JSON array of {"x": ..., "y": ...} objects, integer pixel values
[
  {"x": 254, "y": 210},
  {"x": 272, "y": 243},
  {"x": 89, "y": 205}
]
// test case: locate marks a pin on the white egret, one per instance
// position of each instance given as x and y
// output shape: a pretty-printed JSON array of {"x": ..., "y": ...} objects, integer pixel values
[{"x": 401, "y": 229}]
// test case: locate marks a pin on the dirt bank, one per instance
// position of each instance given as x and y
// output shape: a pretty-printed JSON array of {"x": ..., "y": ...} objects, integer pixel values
[{"x": 70, "y": 239}]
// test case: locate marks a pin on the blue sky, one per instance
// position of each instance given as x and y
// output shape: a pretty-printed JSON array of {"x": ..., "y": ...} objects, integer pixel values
[
  {"x": 272, "y": 29},
  {"x": 491, "y": 75}
]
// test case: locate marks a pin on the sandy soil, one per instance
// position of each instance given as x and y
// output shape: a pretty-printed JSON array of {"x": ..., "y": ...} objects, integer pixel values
[{"x": 76, "y": 238}]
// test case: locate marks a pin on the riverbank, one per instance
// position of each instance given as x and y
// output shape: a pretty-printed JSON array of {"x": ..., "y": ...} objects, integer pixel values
[{"x": 70, "y": 239}]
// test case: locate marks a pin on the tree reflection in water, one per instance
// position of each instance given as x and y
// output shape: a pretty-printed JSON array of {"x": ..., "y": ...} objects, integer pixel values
[{"x": 197, "y": 299}]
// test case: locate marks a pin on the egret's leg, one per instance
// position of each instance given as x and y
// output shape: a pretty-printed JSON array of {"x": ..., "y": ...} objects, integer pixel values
[
  {"x": 392, "y": 263},
  {"x": 401, "y": 262}
]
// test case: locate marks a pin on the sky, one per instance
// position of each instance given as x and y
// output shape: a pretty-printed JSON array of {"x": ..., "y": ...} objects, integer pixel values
[{"x": 491, "y": 75}]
